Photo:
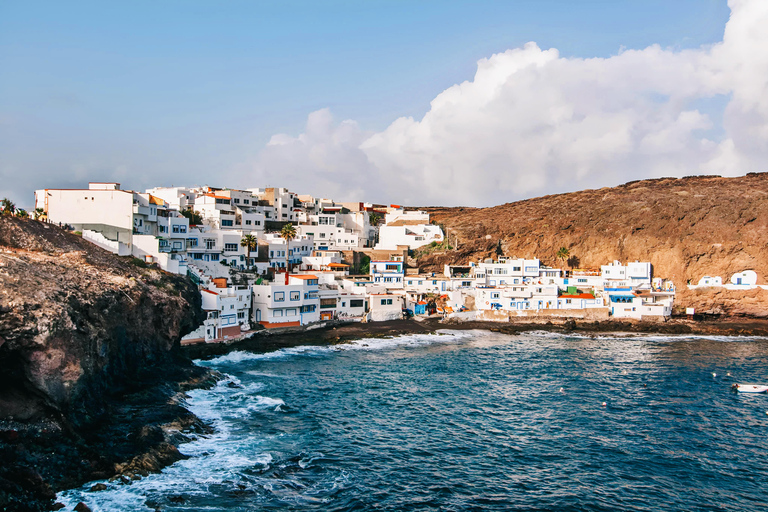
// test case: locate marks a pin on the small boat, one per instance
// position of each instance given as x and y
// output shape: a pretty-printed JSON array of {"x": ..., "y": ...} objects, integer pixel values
[{"x": 750, "y": 388}]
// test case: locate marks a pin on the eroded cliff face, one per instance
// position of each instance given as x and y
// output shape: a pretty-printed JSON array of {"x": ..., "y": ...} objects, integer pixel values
[
  {"x": 688, "y": 228},
  {"x": 79, "y": 327}
]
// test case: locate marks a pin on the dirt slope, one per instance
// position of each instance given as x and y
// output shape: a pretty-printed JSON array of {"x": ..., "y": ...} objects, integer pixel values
[{"x": 687, "y": 228}]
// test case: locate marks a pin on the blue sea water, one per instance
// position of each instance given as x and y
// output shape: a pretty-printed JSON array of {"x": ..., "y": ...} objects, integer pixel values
[{"x": 473, "y": 420}]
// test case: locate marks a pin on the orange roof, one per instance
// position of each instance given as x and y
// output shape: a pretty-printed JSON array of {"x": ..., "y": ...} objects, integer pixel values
[
  {"x": 303, "y": 276},
  {"x": 218, "y": 197},
  {"x": 421, "y": 302},
  {"x": 156, "y": 200},
  {"x": 337, "y": 265},
  {"x": 578, "y": 296}
]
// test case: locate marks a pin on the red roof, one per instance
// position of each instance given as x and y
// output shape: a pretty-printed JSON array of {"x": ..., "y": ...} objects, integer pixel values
[
  {"x": 304, "y": 276},
  {"x": 209, "y": 291},
  {"x": 337, "y": 265},
  {"x": 578, "y": 296}
]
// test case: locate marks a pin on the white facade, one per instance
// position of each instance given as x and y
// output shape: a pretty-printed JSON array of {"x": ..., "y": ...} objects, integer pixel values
[
  {"x": 277, "y": 304},
  {"x": 277, "y": 250},
  {"x": 385, "y": 307},
  {"x": 507, "y": 272},
  {"x": 632, "y": 274},
  {"x": 389, "y": 274}
]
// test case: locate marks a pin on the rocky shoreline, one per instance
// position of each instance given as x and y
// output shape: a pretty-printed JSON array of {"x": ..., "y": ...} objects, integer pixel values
[{"x": 264, "y": 341}]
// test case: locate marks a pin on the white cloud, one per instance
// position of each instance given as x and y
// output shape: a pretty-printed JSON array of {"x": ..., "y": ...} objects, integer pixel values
[
  {"x": 325, "y": 160},
  {"x": 532, "y": 122}
]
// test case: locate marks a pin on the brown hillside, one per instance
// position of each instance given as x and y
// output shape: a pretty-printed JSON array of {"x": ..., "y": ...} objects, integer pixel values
[{"x": 687, "y": 228}]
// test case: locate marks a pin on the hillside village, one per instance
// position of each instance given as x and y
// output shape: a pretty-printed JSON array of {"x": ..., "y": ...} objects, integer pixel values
[{"x": 271, "y": 258}]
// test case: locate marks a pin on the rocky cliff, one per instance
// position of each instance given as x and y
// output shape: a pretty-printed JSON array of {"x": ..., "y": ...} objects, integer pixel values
[
  {"x": 87, "y": 339},
  {"x": 688, "y": 228}
]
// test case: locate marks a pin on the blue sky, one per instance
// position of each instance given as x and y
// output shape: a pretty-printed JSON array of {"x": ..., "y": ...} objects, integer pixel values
[{"x": 174, "y": 91}]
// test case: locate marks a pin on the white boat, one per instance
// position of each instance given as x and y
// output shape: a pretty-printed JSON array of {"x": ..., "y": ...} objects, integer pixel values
[{"x": 750, "y": 388}]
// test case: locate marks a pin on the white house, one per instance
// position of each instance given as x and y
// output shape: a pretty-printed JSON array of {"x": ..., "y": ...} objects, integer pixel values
[
  {"x": 276, "y": 304},
  {"x": 228, "y": 309},
  {"x": 385, "y": 307},
  {"x": 388, "y": 274},
  {"x": 408, "y": 228},
  {"x": 632, "y": 274},
  {"x": 637, "y": 304},
  {"x": 746, "y": 278}
]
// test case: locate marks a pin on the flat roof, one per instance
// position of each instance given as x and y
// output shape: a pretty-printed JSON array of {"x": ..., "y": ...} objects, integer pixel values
[{"x": 304, "y": 276}]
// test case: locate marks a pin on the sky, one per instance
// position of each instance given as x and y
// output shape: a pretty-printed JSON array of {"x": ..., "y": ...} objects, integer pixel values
[{"x": 421, "y": 103}]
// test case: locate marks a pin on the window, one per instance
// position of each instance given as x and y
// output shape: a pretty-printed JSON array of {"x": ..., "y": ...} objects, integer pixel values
[
  {"x": 210, "y": 243},
  {"x": 279, "y": 296},
  {"x": 295, "y": 295},
  {"x": 327, "y": 303},
  {"x": 177, "y": 246},
  {"x": 495, "y": 295},
  {"x": 225, "y": 222},
  {"x": 277, "y": 312},
  {"x": 290, "y": 312},
  {"x": 393, "y": 267},
  {"x": 356, "y": 303},
  {"x": 246, "y": 201},
  {"x": 214, "y": 257},
  {"x": 191, "y": 242},
  {"x": 247, "y": 223},
  {"x": 197, "y": 256},
  {"x": 307, "y": 309},
  {"x": 237, "y": 201},
  {"x": 163, "y": 229},
  {"x": 386, "y": 302},
  {"x": 222, "y": 201},
  {"x": 580, "y": 280},
  {"x": 240, "y": 315},
  {"x": 230, "y": 247},
  {"x": 567, "y": 301},
  {"x": 179, "y": 229},
  {"x": 515, "y": 269},
  {"x": 257, "y": 223}
]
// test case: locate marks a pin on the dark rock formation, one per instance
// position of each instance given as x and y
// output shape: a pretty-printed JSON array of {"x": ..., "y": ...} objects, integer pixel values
[{"x": 89, "y": 362}]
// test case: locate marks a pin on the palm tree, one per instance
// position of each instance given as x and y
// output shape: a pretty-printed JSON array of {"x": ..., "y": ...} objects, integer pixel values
[
  {"x": 562, "y": 254},
  {"x": 8, "y": 207},
  {"x": 38, "y": 213},
  {"x": 22, "y": 213},
  {"x": 250, "y": 243},
  {"x": 288, "y": 233}
]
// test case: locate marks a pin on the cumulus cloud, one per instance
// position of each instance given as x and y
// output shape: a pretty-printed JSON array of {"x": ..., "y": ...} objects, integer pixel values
[
  {"x": 325, "y": 160},
  {"x": 531, "y": 122}
]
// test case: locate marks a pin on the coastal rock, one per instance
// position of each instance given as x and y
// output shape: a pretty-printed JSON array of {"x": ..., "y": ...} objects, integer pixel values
[{"x": 89, "y": 358}]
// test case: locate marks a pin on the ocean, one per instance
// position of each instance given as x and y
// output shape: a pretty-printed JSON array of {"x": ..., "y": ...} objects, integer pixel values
[{"x": 473, "y": 420}]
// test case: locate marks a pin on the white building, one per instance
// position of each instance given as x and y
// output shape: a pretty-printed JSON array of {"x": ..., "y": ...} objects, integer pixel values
[
  {"x": 277, "y": 251},
  {"x": 228, "y": 309},
  {"x": 329, "y": 233},
  {"x": 278, "y": 304},
  {"x": 389, "y": 273},
  {"x": 632, "y": 274},
  {"x": 118, "y": 220},
  {"x": 407, "y": 228},
  {"x": 639, "y": 304},
  {"x": 384, "y": 307},
  {"x": 507, "y": 272}
]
